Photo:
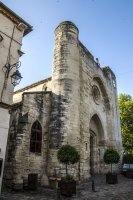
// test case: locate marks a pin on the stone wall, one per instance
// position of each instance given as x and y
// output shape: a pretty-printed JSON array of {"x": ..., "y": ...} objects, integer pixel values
[
  {"x": 96, "y": 110},
  {"x": 20, "y": 161},
  {"x": 10, "y": 45},
  {"x": 4, "y": 127},
  {"x": 9, "y": 32},
  {"x": 43, "y": 85}
]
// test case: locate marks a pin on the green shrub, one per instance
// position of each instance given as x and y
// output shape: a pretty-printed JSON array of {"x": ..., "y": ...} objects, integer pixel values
[
  {"x": 67, "y": 178},
  {"x": 129, "y": 170},
  {"x": 128, "y": 159}
]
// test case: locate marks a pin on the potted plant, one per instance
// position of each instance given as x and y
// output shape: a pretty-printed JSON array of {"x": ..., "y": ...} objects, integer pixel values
[
  {"x": 111, "y": 157},
  {"x": 67, "y": 155},
  {"x": 128, "y": 165}
]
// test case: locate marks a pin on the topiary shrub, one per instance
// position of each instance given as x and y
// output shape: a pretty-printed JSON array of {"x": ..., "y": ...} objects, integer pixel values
[
  {"x": 68, "y": 155},
  {"x": 127, "y": 159},
  {"x": 111, "y": 156}
]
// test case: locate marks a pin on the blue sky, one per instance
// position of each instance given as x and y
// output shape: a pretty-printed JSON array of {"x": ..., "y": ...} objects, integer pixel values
[{"x": 105, "y": 28}]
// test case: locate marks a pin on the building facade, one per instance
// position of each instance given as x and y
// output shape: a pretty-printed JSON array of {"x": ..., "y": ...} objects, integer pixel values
[
  {"x": 12, "y": 30},
  {"x": 77, "y": 105}
]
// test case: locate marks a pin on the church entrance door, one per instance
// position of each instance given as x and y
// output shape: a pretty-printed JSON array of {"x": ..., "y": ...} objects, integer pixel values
[{"x": 96, "y": 136}]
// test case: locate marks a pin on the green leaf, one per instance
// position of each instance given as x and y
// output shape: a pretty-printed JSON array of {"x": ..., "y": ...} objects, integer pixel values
[{"x": 126, "y": 118}]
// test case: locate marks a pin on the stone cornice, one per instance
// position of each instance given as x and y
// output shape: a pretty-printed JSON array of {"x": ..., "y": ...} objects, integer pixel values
[
  {"x": 33, "y": 85},
  {"x": 14, "y": 17}
]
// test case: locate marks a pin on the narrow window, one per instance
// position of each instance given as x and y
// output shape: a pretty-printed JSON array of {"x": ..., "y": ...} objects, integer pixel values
[
  {"x": 36, "y": 138},
  {"x": 86, "y": 148},
  {"x": 1, "y": 161}
]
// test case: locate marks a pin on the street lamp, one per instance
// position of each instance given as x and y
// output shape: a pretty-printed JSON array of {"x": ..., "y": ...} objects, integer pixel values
[{"x": 16, "y": 76}]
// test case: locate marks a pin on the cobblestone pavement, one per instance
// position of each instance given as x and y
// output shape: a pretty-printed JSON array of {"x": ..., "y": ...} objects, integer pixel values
[{"x": 121, "y": 191}]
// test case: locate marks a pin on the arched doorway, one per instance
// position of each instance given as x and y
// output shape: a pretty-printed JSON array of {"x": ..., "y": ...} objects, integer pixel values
[{"x": 96, "y": 142}]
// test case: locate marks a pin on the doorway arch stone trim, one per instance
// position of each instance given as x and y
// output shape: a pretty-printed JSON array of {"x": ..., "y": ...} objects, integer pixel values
[{"x": 97, "y": 142}]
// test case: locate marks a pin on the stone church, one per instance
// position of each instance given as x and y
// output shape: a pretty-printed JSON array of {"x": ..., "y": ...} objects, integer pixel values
[{"x": 77, "y": 105}]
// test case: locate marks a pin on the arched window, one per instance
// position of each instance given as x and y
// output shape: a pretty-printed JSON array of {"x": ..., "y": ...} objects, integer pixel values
[{"x": 36, "y": 138}]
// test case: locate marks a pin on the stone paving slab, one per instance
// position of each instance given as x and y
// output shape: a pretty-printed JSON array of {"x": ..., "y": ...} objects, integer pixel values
[{"x": 121, "y": 191}]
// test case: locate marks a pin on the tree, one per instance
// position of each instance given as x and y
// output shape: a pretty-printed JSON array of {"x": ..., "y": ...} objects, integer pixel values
[
  {"x": 111, "y": 156},
  {"x": 68, "y": 155},
  {"x": 126, "y": 118}
]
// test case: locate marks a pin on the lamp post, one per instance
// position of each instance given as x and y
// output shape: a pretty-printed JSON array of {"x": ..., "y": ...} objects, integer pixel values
[{"x": 16, "y": 76}]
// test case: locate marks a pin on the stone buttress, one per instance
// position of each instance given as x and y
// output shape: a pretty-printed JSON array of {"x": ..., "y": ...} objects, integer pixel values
[{"x": 65, "y": 126}]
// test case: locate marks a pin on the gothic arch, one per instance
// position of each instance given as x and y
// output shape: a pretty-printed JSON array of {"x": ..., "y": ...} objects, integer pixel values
[
  {"x": 98, "y": 79},
  {"x": 97, "y": 142},
  {"x": 36, "y": 137},
  {"x": 96, "y": 127}
]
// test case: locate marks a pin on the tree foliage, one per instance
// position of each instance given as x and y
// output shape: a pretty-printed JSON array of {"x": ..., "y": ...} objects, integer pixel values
[
  {"x": 126, "y": 119},
  {"x": 111, "y": 156},
  {"x": 68, "y": 155},
  {"x": 128, "y": 159}
]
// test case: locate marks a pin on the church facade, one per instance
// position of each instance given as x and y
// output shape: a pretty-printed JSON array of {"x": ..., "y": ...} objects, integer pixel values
[{"x": 77, "y": 105}]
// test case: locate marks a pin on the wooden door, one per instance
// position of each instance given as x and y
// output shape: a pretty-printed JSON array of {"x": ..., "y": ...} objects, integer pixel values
[{"x": 32, "y": 181}]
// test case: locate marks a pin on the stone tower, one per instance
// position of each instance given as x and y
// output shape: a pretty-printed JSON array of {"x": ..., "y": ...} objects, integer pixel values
[{"x": 65, "y": 127}]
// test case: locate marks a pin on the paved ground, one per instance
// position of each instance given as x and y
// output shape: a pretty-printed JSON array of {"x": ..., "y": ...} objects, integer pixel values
[{"x": 121, "y": 191}]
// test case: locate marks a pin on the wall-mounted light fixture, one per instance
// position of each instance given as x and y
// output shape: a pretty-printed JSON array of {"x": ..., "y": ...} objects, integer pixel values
[
  {"x": 20, "y": 53},
  {"x": 1, "y": 38},
  {"x": 16, "y": 76}
]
